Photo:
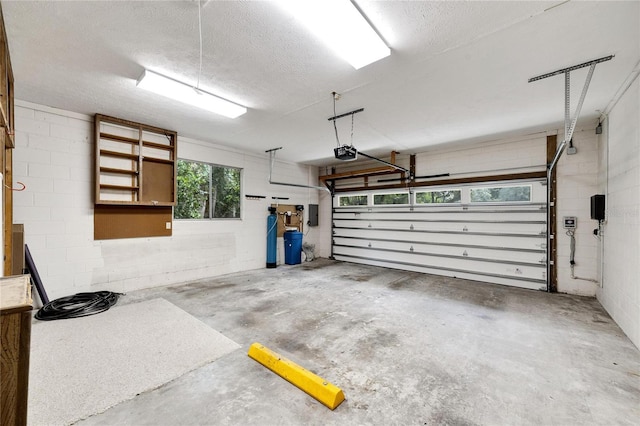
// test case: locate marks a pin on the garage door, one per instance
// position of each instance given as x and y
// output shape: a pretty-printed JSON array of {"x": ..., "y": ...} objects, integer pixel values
[{"x": 493, "y": 233}]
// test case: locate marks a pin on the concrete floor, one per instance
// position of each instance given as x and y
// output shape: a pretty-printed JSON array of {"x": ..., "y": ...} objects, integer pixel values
[{"x": 406, "y": 348}]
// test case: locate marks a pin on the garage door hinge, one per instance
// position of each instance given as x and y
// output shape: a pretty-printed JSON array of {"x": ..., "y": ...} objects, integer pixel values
[{"x": 411, "y": 227}]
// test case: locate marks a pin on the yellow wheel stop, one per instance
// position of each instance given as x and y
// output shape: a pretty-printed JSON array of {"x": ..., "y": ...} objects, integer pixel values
[{"x": 325, "y": 392}]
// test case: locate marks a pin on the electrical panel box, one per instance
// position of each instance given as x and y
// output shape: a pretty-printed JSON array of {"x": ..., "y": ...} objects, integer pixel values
[
  {"x": 570, "y": 222},
  {"x": 313, "y": 215},
  {"x": 597, "y": 207}
]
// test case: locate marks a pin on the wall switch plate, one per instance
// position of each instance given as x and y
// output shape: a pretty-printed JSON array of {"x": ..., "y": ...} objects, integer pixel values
[{"x": 167, "y": 225}]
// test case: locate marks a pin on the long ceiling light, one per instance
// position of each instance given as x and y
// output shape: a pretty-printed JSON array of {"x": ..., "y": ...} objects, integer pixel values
[
  {"x": 187, "y": 94},
  {"x": 340, "y": 25}
]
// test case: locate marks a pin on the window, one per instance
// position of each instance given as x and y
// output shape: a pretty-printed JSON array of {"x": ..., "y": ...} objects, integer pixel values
[
  {"x": 438, "y": 197},
  {"x": 400, "y": 198},
  {"x": 353, "y": 200},
  {"x": 207, "y": 191},
  {"x": 503, "y": 194}
]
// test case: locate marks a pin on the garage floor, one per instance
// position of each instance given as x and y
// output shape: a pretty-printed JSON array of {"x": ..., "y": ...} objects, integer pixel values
[{"x": 406, "y": 348}]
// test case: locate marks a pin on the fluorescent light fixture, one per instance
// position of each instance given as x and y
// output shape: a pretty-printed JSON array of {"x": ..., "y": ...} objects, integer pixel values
[
  {"x": 187, "y": 94},
  {"x": 342, "y": 27}
]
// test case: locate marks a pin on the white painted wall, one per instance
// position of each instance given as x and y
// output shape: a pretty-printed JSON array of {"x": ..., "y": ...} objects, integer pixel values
[
  {"x": 620, "y": 182},
  {"x": 512, "y": 155},
  {"x": 54, "y": 159},
  {"x": 577, "y": 181}
]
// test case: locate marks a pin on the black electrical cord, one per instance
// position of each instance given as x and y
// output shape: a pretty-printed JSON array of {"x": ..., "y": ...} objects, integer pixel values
[{"x": 78, "y": 305}]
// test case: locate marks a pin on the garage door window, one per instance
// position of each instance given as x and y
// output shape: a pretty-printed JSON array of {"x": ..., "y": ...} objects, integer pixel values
[
  {"x": 398, "y": 198},
  {"x": 439, "y": 197},
  {"x": 501, "y": 194},
  {"x": 353, "y": 200}
]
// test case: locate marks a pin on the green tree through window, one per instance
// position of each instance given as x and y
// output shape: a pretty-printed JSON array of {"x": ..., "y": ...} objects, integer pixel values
[
  {"x": 353, "y": 200},
  {"x": 501, "y": 194},
  {"x": 438, "y": 197},
  {"x": 400, "y": 198},
  {"x": 206, "y": 191}
]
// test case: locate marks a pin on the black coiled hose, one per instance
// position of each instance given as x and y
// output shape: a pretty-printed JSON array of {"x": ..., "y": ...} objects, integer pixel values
[{"x": 78, "y": 305}]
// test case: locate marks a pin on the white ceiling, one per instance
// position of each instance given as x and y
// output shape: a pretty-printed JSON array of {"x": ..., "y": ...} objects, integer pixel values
[{"x": 457, "y": 73}]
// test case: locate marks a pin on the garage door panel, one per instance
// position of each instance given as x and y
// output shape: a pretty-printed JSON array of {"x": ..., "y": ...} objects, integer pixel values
[
  {"x": 502, "y": 227},
  {"x": 490, "y": 253},
  {"x": 525, "y": 215},
  {"x": 517, "y": 270},
  {"x": 504, "y": 242},
  {"x": 530, "y": 242},
  {"x": 528, "y": 284}
]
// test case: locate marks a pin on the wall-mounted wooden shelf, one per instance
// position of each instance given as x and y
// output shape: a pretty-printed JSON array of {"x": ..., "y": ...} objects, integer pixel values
[
  {"x": 135, "y": 187},
  {"x": 135, "y": 163},
  {"x": 121, "y": 171},
  {"x": 106, "y": 153},
  {"x": 156, "y": 145},
  {"x": 158, "y": 160},
  {"x": 119, "y": 187},
  {"x": 117, "y": 138}
]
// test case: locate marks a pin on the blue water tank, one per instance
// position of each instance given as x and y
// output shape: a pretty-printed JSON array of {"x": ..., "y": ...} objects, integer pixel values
[
  {"x": 272, "y": 241},
  {"x": 292, "y": 247}
]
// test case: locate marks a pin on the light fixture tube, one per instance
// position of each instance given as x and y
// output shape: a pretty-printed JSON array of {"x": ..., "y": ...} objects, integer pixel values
[
  {"x": 340, "y": 25},
  {"x": 187, "y": 94}
]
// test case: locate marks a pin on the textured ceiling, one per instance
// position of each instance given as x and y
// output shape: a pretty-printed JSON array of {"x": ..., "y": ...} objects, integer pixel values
[{"x": 458, "y": 71}]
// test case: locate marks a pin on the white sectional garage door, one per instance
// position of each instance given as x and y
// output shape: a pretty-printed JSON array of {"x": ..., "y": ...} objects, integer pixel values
[{"x": 493, "y": 233}]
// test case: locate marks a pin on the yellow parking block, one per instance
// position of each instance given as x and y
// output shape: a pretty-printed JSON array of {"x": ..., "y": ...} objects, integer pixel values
[{"x": 325, "y": 392}]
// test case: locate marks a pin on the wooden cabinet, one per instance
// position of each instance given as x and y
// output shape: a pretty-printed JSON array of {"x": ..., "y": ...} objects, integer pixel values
[
  {"x": 15, "y": 325},
  {"x": 135, "y": 163}
]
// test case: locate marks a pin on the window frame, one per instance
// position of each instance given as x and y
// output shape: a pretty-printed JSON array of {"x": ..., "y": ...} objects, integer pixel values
[
  {"x": 340, "y": 197},
  {"x": 211, "y": 167},
  {"x": 459, "y": 190},
  {"x": 527, "y": 185},
  {"x": 408, "y": 194}
]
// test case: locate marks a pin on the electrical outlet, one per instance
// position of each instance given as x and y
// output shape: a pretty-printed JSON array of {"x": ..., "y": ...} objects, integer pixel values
[{"x": 167, "y": 225}]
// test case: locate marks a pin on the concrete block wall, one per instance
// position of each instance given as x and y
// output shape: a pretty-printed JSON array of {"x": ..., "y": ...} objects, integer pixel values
[
  {"x": 619, "y": 180},
  {"x": 509, "y": 155},
  {"x": 577, "y": 181},
  {"x": 54, "y": 159}
]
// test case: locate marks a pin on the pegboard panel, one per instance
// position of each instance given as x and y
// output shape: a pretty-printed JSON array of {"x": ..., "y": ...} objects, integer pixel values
[{"x": 288, "y": 217}]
